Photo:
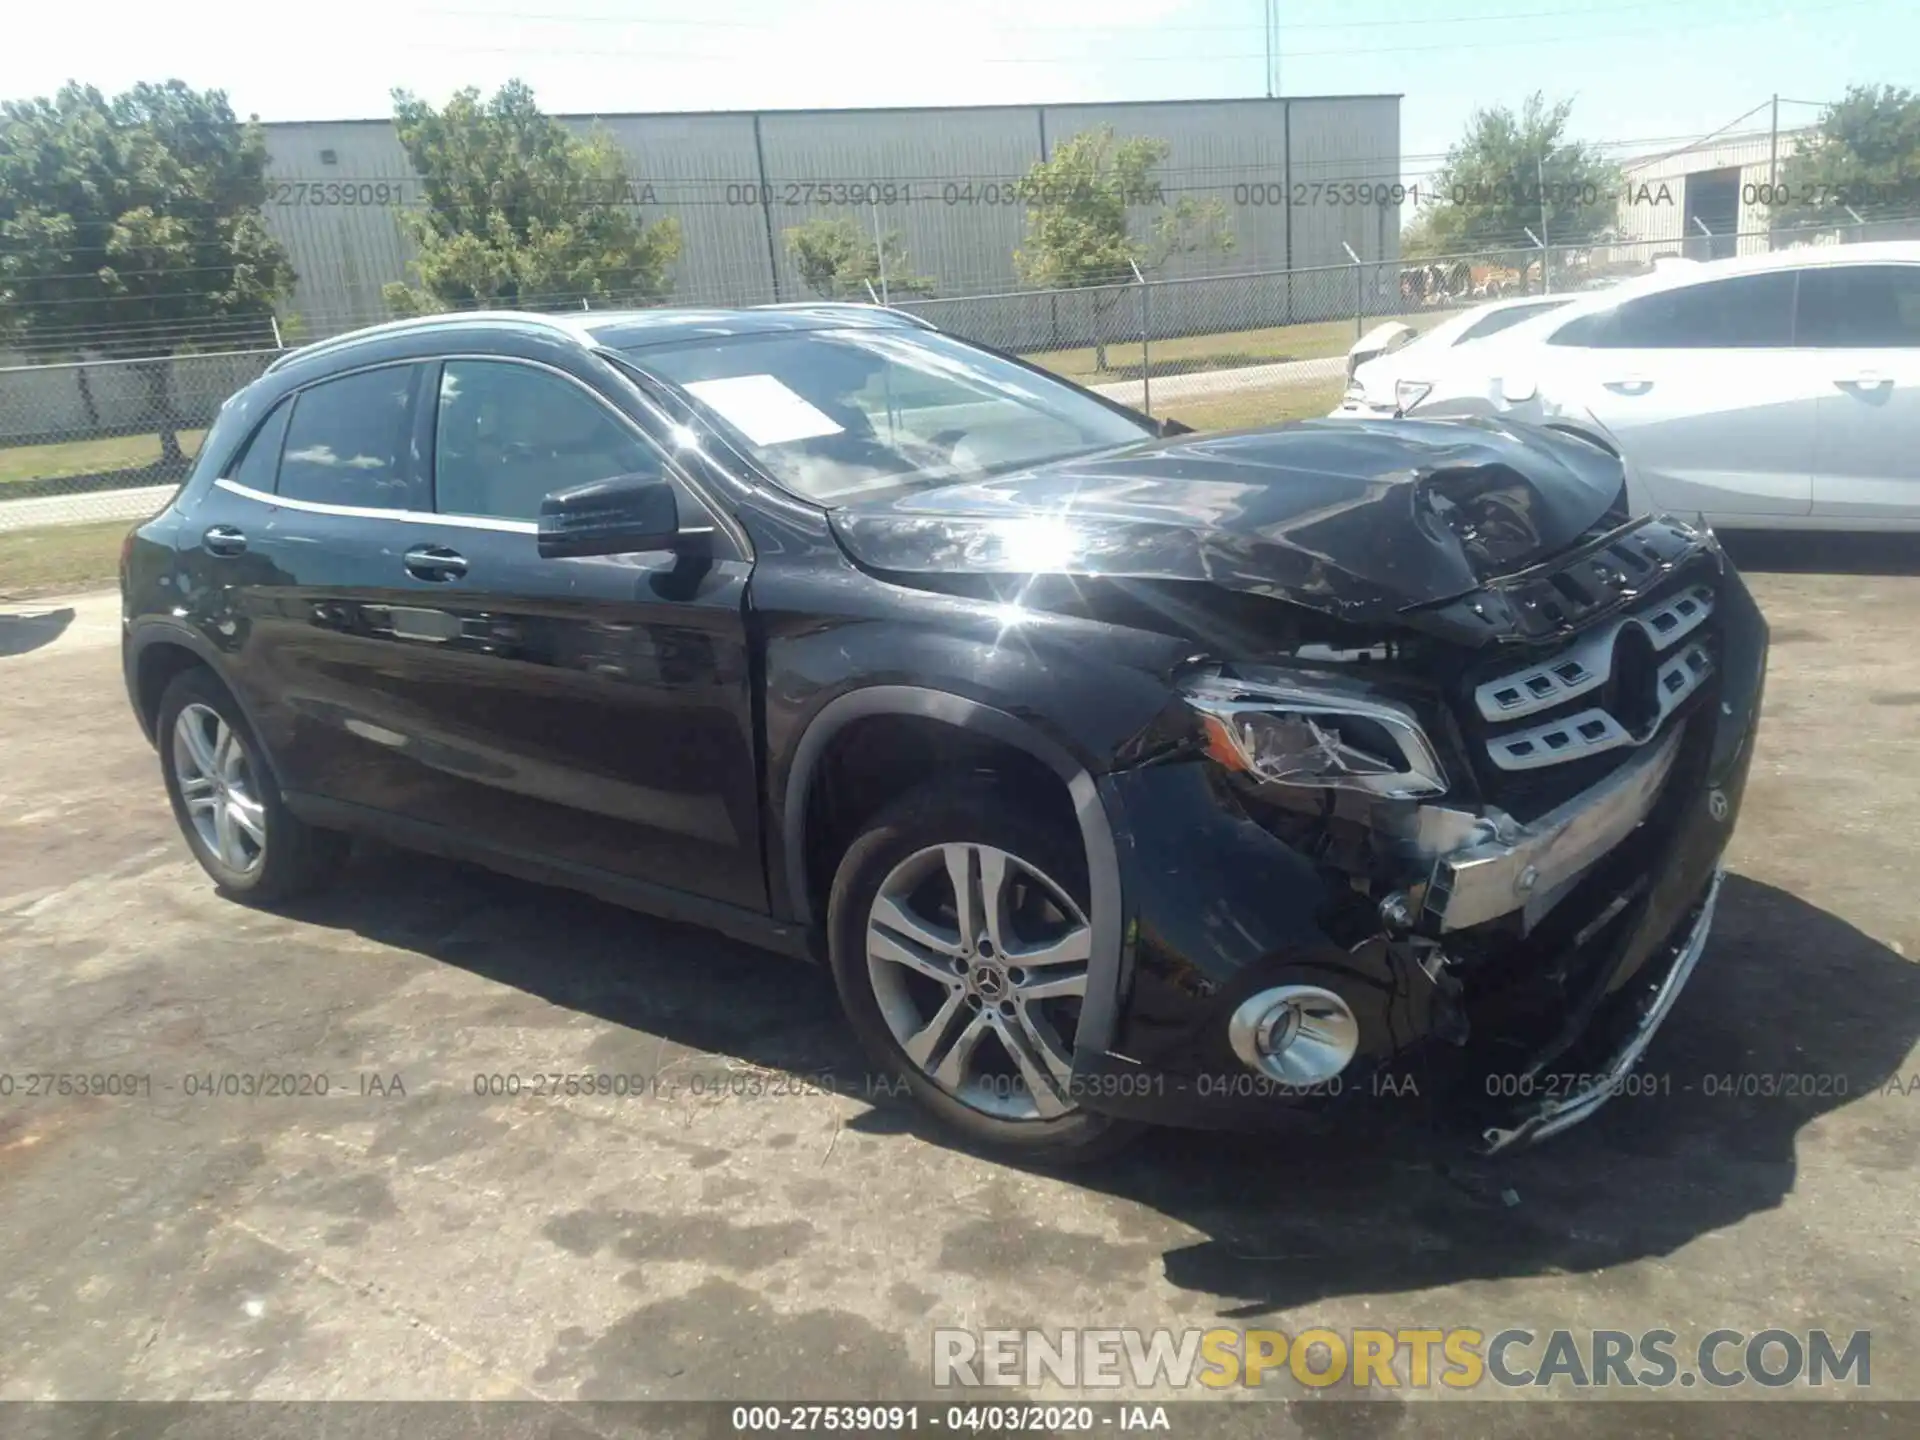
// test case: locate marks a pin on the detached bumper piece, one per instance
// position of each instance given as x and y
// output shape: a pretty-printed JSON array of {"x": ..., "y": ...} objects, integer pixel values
[
  {"x": 1639, "y": 1011},
  {"x": 1528, "y": 867}
]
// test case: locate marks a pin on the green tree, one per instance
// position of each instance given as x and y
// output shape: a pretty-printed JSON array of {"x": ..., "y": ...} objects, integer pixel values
[
  {"x": 1079, "y": 230},
  {"x": 837, "y": 259},
  {"x": 131, "y": 227},
  {"x": 521, "y": 212},
  {"x": 1511, "y": 173},
  {"x": 1863, "y": 154}
]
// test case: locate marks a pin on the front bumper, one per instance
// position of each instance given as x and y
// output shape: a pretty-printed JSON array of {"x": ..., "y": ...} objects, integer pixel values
[
  {"x": 1556, "y": 1111},
  {"x": 1218, "y": 909}
]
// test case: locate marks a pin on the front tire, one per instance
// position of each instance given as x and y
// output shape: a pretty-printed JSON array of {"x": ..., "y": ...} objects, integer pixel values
[
  {"x": 959, "y": 940},
  {"x": 227, "y": 803}
]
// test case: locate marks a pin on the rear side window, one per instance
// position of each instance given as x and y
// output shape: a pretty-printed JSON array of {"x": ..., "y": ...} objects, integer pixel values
[
  {"x": 350, "y": 442},
  {"x": 259, "y": 463},
  {"x": 508, "y": 435},
  {"x": 1746, "y": 312},
  {"x": 1874, "y": 307}
]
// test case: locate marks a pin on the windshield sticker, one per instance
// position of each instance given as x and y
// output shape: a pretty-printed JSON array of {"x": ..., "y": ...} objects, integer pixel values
[{"x": 763, "y": 409}]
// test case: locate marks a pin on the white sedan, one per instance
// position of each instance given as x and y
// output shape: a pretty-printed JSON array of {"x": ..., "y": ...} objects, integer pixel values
[
  {"x": 1391, "y": 352},
  {"x": 1777, "y": 391}
]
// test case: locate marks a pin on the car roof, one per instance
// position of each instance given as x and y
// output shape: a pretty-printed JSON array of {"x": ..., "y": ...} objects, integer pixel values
[
  {"x": 626, "y": 329},
  {"x": 1677, "y": 277}
]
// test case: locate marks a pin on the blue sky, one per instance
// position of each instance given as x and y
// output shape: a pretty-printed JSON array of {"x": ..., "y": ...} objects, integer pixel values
[{"x": 1642, "y": 71}]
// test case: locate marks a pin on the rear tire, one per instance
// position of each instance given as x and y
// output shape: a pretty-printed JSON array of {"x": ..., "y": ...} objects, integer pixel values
[
  {"x": 972, "y": 1004},
  {"x": 227, "y": 802}
]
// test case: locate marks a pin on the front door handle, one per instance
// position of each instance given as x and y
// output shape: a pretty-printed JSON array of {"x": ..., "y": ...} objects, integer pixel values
[
  {"x": 224, "y": 540},
  {"x": 435, "y": 562},
  {"x": 1634, "y": 385},
  {"x": 1865, "y": 380}
]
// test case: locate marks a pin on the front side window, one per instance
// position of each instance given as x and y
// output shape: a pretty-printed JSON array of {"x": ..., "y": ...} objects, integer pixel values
[
  {"x": 350, "y": 442},
  {"x": 1859, "y": 307},
  {"x": 830, "y": 413},
  {"x": 1745, "y": 312},
  {"x": 1503, "y": 319},
  {"x": 509, "y": 435}
]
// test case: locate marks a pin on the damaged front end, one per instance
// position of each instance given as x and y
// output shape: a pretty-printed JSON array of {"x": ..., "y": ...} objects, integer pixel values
[{"x": 1475, "y": 873}]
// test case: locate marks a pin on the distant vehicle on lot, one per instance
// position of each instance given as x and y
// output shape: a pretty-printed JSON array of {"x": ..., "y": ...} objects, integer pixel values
[
  {"x": 1380, "y": 358},
  {"x": 1117, "y": 774},
  {"x": 1777, "y": 391}
]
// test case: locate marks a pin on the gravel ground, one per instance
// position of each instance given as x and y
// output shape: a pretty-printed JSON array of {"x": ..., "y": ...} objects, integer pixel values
[{"x": 404, "y": 1238}]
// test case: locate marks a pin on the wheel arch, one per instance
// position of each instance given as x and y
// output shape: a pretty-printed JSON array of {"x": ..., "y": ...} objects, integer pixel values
[
  {"x": 158, "y": 652},
  {"x": 972, "y": 721}
]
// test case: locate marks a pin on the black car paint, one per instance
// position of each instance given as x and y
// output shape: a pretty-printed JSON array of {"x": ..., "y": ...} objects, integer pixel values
[
  {"x": 649, "y": 727},
  {"x": 1359, "y": 519}
]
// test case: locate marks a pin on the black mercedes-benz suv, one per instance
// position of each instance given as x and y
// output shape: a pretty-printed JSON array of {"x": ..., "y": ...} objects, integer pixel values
[{"x": 1118, "y": 773}]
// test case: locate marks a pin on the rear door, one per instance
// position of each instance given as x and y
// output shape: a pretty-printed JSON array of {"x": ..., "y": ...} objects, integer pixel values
[
  {"x": 592, "y": 712},
  {"x": 326, "y": 499},
  {"x": 1699, "y": 384},
  {"x": 1859, "y": 326}
]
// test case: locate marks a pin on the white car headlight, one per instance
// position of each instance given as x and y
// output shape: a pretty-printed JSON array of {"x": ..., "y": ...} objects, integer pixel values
[
  {"x": 1409, "y": 393},
  {"x": 1283, "y": 734}
]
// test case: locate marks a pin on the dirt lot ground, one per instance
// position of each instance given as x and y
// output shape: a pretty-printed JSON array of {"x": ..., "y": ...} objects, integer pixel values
[{"x": 405, "y": 1238}]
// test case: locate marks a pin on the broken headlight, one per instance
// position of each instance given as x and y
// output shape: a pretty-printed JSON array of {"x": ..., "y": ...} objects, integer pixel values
[{"x": 1282, "y": 733}]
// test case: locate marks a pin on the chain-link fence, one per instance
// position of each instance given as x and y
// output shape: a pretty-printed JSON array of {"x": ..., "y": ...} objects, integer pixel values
[{"x": 108, "y": 439}]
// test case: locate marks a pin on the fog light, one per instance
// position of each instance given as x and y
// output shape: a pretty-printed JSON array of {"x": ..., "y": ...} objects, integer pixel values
[{"x": 1296, "y": 1034}]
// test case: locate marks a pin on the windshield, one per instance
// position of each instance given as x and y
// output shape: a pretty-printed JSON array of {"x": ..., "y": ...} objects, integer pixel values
[{"x": 830, "y": 413}]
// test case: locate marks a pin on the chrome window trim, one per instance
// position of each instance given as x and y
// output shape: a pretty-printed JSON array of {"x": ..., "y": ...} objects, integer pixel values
[
  {"x": 371, "y": 512},
  {"x": 721, "y": 517}
]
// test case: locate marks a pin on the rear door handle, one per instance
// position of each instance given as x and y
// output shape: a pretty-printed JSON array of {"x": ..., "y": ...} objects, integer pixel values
[
  {"x": 435, "y": 562},
  {"x": 224, "y": 540},
  {"x": 1633, "y": 385},
  {"x": 1865, "y": 380}
]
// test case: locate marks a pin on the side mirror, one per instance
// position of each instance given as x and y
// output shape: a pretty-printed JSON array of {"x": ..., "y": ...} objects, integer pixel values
[
  {"x": 621, "y": 516},
  {"x": 1171, "y": 427}
]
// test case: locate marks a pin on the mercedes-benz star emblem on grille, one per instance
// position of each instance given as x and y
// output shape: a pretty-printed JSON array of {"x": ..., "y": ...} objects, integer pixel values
[{"x": 1633, "y": 673}]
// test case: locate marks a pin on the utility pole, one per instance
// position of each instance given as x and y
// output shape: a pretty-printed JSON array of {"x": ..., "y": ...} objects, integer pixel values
[
  {"x": 1773, "y": 147},
  {"x": 1272, "y": 17}
]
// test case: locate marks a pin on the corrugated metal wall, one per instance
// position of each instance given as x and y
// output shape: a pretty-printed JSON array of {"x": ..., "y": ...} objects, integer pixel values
[{"x": 942, "y": 178}]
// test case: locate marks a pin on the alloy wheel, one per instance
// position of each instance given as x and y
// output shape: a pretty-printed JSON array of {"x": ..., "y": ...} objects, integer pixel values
[
  {"x": 218, "y": 788},
  {"x": 978, "y": 960}
]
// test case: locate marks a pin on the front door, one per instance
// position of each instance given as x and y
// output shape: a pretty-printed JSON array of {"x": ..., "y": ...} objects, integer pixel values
[
  {"x": 1699, "y": 385},
  {"x": 593, "y": 711}
]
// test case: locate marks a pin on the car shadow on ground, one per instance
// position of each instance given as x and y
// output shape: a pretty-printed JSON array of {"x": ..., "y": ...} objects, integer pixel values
[
  {"x": 1814, "y": 553},
  {"x": 24, "y": 632},
  {"x": 1793, "y": 1013}
]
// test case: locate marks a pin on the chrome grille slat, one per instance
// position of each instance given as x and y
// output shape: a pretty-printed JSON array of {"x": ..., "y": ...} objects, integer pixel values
[
  {"x": 1587, "y": 664},
  {"x": 1592, "y": 731}
]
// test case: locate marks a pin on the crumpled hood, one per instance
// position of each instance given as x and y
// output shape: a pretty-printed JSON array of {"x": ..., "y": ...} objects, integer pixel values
[{"x": 1355, "y": 518}]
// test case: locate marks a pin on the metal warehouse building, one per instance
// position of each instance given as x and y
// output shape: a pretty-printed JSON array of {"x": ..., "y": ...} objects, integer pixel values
[
  {"x": 1286, "y": 169},
  {"x": 1709, "y": 200}
]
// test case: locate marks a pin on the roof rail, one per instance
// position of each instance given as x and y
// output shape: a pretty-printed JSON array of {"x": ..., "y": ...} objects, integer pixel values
[
  {"x": 553, "y": 324},
  {"x": 858, "y": 307}
]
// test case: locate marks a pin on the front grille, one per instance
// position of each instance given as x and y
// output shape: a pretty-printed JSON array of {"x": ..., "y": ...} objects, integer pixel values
[{"x": 1543, "y": 727}]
